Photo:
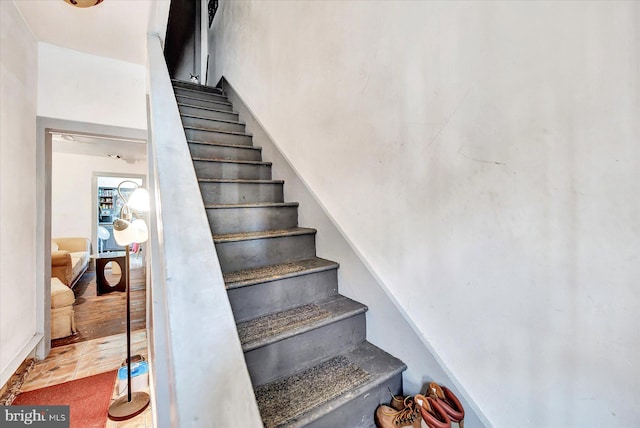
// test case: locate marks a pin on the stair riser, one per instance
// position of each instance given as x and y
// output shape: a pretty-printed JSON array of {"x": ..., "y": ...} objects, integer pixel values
[
  {"x": 228, "y": 153},
  {"x": 239, "y": 255},
  {"x": 212, "y": 124},
  {"x": 360, "y": 411},
  {"x": 203, "y": 88},
  {"x": 203, "y": 103},
  {"x": 243, "y": 171},
  {"x": 241, "y": 193},
  {"x": 217, "y": 137},
  {"x": 236, "y": 220},
  {"x": 297, "y": 353},
  {"x": 200, "y": 94},
  {"x": 276, "y": 296},
  {"x": 209, "y": 114}
]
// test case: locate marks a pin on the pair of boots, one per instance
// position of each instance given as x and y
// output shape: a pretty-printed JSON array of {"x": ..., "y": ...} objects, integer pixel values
[{"x": 438, "y": 409}]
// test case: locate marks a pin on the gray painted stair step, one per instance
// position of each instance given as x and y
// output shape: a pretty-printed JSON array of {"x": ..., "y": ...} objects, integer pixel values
[
  {"x": 203, "y": 122},
  {"x": 183, "y": 99},
  {"x": 285, "y": 300},
  {"x": 280, "y": 325},
  {"x": 217, "y": 136},
  {"x": 247, "y": 277},
  {"x": 257, "y": 249},
  {"x": 219, "y": 191},
  {"x": 187, "y": 92},
  {"x": 356, "y": 408},
  {"x": 196, "y": 86},
  {"x": 275, "y": 288},
  {"x": 232, "y": 169},
  {"x": 210, "y": 113},
  {"x": 303, "y": 343},
  {"x": 209, "y": 150},
  {"x": 239, "y": 218}
]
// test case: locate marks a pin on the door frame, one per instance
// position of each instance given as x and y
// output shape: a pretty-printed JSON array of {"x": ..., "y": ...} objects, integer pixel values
[{"x": 45, "y": 126}]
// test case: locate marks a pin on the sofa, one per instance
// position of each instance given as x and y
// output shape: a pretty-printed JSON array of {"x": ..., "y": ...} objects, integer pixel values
[
  {"x": 63, "y": 321},
  {"x": 69, "y": 259}
]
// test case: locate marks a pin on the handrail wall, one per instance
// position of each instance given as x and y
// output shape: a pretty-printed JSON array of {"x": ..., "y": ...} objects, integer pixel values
[{"x": 199, "y": 376}]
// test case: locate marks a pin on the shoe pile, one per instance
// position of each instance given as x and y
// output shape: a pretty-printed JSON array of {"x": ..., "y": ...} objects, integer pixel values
[{"x": 437, "y": 409}]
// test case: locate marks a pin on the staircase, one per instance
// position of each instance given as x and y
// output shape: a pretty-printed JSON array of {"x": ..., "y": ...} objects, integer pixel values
[{"x": 304, "y": 344}]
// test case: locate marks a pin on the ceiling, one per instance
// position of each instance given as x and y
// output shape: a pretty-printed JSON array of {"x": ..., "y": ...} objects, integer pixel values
[
  {"x": 114, "y": 28},
  {"x": 129, "y": 151}
]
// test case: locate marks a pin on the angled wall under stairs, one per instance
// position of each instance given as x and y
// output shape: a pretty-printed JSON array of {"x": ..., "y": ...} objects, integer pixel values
[{"x": 305, "y": 344}]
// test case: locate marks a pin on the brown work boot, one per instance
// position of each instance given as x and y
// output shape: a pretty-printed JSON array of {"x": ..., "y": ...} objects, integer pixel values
[
  {"x": 397, "y": 402},
  {"x": 387, "y": 417}
]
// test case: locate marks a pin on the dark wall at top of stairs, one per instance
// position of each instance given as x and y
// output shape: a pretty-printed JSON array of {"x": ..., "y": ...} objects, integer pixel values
[{"x": 182, "y": 44}]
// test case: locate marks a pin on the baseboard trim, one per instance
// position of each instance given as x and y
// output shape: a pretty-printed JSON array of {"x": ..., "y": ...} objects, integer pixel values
[{"x": 21, "y": 356}]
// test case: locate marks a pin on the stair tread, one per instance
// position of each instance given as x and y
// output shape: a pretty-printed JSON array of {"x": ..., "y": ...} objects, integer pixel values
[
  {"x": 220, "y": 131},
  {"x": 199, "y": 91},
  {"x": 253, "y": 205},
  {"x": 195, "y": 158},
  {"x": 234, "y": 180},
  {"x": 271, "y": 328},
  {"x": 379, "y": 365},
  {"x": 236, "y": 146},
  {"x": 246, "y": 277},
  {"x": 266, "y": 234},
  {"x": 234, "y": 122},
  {"x": 212, "y": 89},
  {"x": 205, "y": 108},
  {"x": 204, "y": 99}
]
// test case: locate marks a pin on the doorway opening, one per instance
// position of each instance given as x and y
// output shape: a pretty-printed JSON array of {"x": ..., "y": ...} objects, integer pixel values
[{"x": 71, "y": 156}]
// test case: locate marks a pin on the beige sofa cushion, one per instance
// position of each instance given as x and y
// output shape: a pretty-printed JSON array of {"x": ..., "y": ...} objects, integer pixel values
[
  {"x": 61, "y": 295},
  {"x": 79, "y": 260},
  {"x": 54, "y": 246}
]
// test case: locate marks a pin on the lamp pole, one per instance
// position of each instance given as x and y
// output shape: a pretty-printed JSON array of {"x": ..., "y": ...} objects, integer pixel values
[{"x": 135, "y": 402}]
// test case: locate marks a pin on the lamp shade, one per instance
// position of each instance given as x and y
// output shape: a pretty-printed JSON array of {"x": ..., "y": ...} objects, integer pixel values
[
  {"x": 126, "y": 233},
  {"x": 83, "y": 3},
  {"x": 123, "y": 233},
  {"x": 139, "y": 200},
  {"x": 140, "y": 228}
]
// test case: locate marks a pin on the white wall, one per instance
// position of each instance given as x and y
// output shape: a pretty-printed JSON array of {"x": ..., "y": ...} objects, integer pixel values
[
  {"x": 18, "y": 90},
  {"x": 71, "y": 191},
  {"x": 87, "y": 88},
  {"x": 483, "y": 158}
]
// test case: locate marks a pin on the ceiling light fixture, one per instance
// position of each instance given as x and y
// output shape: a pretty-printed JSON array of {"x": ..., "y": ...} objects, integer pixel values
[{"x": 83, "y": 3}]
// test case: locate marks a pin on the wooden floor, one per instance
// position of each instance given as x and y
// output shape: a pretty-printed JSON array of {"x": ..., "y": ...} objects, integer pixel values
[{"x": 100, "y": 316}]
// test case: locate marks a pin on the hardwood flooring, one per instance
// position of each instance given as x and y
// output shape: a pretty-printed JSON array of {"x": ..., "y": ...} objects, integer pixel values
[{"x": 101, "y": 316}]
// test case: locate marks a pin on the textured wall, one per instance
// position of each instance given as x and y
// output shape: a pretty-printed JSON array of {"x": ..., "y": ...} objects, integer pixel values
[
  {"x": 18, "y": 91},
  {"x": 483, "y": 158},
  {"x": 71, "y": 191},
  {"x": 87, "y": 88}
]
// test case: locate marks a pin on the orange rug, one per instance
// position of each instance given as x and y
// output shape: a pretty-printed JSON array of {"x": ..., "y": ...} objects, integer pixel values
[{"x": 88, "y": 398}]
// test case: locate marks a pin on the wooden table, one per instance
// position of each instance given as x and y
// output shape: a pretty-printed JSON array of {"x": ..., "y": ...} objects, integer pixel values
[{"x": 102, "y": 285}]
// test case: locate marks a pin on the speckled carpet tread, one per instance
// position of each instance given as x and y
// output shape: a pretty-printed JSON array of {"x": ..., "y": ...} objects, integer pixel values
[
  {"x": 273, "y": 324},
  {"x": 285, "y": 400},
  {"x": 266, "y": 273}
]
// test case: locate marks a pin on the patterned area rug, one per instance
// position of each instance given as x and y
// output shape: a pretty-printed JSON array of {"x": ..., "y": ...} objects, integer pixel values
[
  {"x": 273, "y": 324},
  {"x": 285, "y": 400}
]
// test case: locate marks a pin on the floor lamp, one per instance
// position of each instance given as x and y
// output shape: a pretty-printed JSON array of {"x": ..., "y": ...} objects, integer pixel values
[{"x": 130, "y": 228}]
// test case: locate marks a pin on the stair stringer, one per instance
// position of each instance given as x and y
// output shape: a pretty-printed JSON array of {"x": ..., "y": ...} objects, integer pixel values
[{"x": 385, "y": 317}]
